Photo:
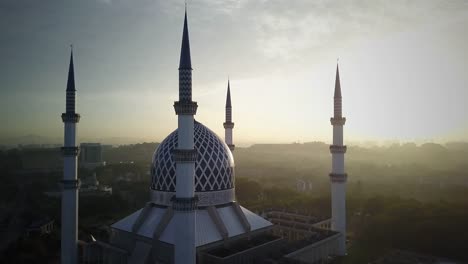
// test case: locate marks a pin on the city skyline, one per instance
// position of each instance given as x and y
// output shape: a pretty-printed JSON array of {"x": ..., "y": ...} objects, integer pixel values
[{"x": 401, "y": 66}]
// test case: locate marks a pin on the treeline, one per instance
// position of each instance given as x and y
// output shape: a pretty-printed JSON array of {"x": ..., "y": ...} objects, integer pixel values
[
  {"x": 433, "y": 228},
  {"x": 424, "y": 172},
  {"x": 376, "y": 223}
]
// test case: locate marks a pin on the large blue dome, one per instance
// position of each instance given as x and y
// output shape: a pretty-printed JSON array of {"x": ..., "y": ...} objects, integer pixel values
[{"x": 214, "y": 169}]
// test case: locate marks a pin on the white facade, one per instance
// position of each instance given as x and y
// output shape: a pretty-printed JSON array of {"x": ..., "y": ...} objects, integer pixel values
[
  {"x": 184, "y": 203},
  {"x": 228, "y": 136},
  {"x": 338, "y": 176},
  {"x": 70, "y": 184}
]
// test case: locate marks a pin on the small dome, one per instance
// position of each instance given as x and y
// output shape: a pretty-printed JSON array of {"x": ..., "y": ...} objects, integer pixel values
[{"x": 214, "y": 169}]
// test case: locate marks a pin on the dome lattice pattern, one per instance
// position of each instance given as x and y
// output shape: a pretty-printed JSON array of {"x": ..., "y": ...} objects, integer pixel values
[{"x": 214, "y": 169}]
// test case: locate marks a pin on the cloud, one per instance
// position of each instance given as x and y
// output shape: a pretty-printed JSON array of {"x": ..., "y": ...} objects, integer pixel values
[
  {"x": 209, "y": 7},
  {"x": 105, "y": 1},
  {"x": 286, "y": 29}
]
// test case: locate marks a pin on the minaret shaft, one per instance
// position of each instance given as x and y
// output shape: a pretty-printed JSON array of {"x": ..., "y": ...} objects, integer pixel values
[
  {"x": 228, "y": 124},
  {"x": 185, "y": 201},
  {"x": 338, "y": 176},
  {"x": 185, "y": 171},
  {"x": 69, "y": 231}
]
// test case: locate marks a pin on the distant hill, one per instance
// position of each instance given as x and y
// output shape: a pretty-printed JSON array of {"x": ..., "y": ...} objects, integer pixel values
[{"x": 13, "y": 141}]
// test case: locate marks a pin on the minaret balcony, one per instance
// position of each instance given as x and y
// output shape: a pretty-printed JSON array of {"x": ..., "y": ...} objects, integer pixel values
[
  {"x": 228, "y": 125},
  {"x": 185, "y": 155},
  {"x": 337, "y": 149},
  {"x": 338, "y": 121},
  {"x": 338, "y": 177},
  {"x": 185, "y": 108},
  {"x": 70, "y": 117},
  {"x": 70, "y": 151}
]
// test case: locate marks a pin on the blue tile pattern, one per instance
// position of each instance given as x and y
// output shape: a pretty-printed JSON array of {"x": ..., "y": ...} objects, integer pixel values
[
  {"x": 214, "y": 169},
  {"x": 185, "y": 85}
]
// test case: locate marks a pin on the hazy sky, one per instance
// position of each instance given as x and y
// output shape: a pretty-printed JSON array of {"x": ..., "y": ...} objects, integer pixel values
[{"x": 403, "y": 66}]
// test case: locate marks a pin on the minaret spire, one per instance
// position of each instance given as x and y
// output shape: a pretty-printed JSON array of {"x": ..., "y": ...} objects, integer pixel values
[
  {"x": 185, "y": 203},
  {"x": 70, "y": 184},
  {"x": 337, "y": 97},
  {"x": 228, "y": 96},
  {"x": 71, "y": 73},
  {"x": 338, "y": 176},
  {"x": 71, "y": 91},
  {"x": 337, "y": 83},
  {"x": 185, "y": 66},
  {"x": 228, "y": 124},
  {"x": 185, "y": 59}
]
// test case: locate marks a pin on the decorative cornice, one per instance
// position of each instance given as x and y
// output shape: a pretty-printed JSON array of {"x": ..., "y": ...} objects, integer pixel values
[
  {"x": 70, "y": 184},
  {"x": 70, "y": 151},
  {"x": 204, "y": 198},
  {"x": 338, "y": 177},
  {"x": 340, "y": 121},
  {"x": 228, "y": 125},
  {"x": 184, "y": 204},
  {"x": 185, "y": 108},
  {"x": 185, "y": 155},
  {"x": 70, "y": 117},
  {"x": 337, "y": 149}
]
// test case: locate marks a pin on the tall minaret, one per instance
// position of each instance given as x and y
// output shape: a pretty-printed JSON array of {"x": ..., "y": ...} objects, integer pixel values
[
  {"x": 338, "y": 175},
  {"x": 70, "y": 179},
  {"x": 185, "y": 201},
  {"x": 228, "y": 124}
]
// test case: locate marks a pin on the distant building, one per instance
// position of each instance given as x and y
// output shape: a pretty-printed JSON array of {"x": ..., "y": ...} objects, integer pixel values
[
  {"x": 130, "y": 176},
  {"x": 40, "y": 226},
  {"x": 303, "y": 185},
  {"x": 88, "y": 186},
  {"x": 91, "y": 155}
]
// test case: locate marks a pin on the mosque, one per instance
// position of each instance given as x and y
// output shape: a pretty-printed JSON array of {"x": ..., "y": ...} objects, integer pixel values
[{"x": 193, "y": 215}]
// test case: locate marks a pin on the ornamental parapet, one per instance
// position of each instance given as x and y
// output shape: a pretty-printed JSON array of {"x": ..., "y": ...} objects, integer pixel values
[
  {"x": 70, "y": 184},
  {"x": 185, "y": 108},
  {"x": 184, "y": 204},
  {"x": 185, "y": 155},
  {"x": 204, "y": 198},
  {"x": 228, "y": 125},
  {"x": 340, "y": 121},
  {"x": 337, "y": 149},
  {"x": 70, "y": 117},
  {"x": 338, "y": 177},
  {"x": 70, "y": 151}
]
